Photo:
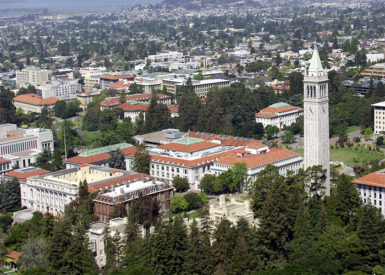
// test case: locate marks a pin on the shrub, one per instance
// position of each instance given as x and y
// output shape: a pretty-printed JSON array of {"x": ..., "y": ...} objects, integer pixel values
[
  {"x": 180, "y": 184},
  {"x": 178, "y": 204},
  {"x": 193, "y": 200}
]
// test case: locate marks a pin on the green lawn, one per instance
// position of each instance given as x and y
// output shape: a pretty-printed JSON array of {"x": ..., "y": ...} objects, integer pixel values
[
  {"x": 78, "y": 122},
  {"x": 346, "y": 155},
  {"x": 92, "y": 135},
  {"x": 349, "y": 130},
  {"x": 192, "y": 215}
]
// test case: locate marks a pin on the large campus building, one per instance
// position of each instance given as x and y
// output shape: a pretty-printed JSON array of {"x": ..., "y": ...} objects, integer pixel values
[
  {"x": 371, "y": 189},
  {"x": 50, "y": 193},
  {"x": 22, "y": 146},
  {"x": 196, "y": 154},
  {"x": 279, "y": 114}
]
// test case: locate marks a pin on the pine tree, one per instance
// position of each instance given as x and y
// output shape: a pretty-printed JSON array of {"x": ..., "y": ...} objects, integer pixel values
[
  {"x": 197, "y": 257},
  {"x": 58, "y": 244},
  {"x": 176, "y": 238},
  {"x": 110, "y": 248},
  {"x": 303, "y": 240},
  {"x": 276, "y": 222},
  {"x": 78, "y": 258},
  {"x": 370, "y": 231},
  {"x": 134, "y": 246},
  {"x": 240, "y": 261},
  {"x": 161, "y": 251},
  {"x": 261, "y": 186},
  {"x": 347, "y": 198},
  {"x": 225, "y": 238}
]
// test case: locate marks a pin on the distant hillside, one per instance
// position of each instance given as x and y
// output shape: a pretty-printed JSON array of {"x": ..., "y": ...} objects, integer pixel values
[{"x": 203, "y": 3}]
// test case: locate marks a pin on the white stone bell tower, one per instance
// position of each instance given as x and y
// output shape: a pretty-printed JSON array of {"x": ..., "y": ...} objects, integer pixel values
[{"x": 316, "y": 117}]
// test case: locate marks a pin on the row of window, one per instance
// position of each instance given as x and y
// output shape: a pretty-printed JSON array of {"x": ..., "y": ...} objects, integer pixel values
[
  {"x": 19, "y": 147},
  {"x": 167, "y": 168}
]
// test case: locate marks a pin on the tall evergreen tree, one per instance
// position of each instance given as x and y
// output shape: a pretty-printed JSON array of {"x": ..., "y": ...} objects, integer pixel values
[
  {"x": 177, "y": 238},
  {"x": 276, "y": 222},
  {"x": 225, "y": 239},
  {"x": 371, "y": 232},
  {"x": 197, "y": 254},
  {"x": 261, "y": 187},
  {"x": 78, "y": 258},
  {"x": 58, "y": 244},
  {"x": 347, "y": 198}
]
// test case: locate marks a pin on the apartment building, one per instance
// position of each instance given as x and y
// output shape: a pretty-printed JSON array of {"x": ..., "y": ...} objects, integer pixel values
[
  {"x": 165, "y": 56},
  {"x": 61, "y": 89},
  {"x": 200, "y": 87},
  {"x": 31, "y": 76}
]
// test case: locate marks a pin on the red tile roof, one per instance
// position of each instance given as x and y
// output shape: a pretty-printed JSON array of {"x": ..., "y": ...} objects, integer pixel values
[
  {"x": 253, "y": 160},
  {"x": 117, "y": 182},
  {"x": 173, "y": 108},
  {"x": 115, "y": 101},
  {"x": 192, "y": 163},
  {"x": 13, "y": 255},
  {"x": 227, "y": 141},
  {"x": 2, "y": 160},
  {"x": 119, "y": 85},
  {"x": 117, "y": 77},
  {"x": 128, "y": 152},
  {"x": 200, "y": 146},
  {"x": 23, "y": 176},
  {"x": 90, "y": 159},
  {"x": 266, "y": 115},
  {"x": 280, "y": 109},
  {"x": 35, "y": 99},
  {"x": 133, "y": 107},
  {"x": 373, "y": 179}
]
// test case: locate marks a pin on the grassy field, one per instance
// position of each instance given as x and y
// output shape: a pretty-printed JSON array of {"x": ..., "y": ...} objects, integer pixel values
[
  {"x": 191, "y": 215},
  {"x": 92, "y": 135},
  {"x": 347, "y": 155},
  {"x": 349, "y": 130}
]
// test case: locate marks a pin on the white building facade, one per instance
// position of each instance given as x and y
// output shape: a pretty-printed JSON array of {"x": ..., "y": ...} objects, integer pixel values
[
  {"x": 379, "y": 118},
  {"x": 31, "y": 76},
  {"x": 50, "y": 193},
  {"x": 62, "y": 89},
  {"x": 316, "y": 117},
  {"x": 371, "y": 189},
  {"x": 279, "y": 114}
]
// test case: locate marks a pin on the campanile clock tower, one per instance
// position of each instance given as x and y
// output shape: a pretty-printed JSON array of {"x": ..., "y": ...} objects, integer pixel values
[{"x": 316, "y": 117}]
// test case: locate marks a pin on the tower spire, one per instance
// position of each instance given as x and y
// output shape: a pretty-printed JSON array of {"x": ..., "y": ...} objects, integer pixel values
[{"x": 315, "y": 68}]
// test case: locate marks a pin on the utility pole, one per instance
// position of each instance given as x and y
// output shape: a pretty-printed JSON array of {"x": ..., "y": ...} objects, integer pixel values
[{"x": 65, "y": 142}]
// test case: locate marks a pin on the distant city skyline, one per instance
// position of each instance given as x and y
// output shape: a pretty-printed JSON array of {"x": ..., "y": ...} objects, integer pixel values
[{"x": 67, "y": 6}]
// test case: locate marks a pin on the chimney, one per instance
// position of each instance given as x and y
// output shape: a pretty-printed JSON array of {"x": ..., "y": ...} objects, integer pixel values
[{"x": 121, "y": 191}]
